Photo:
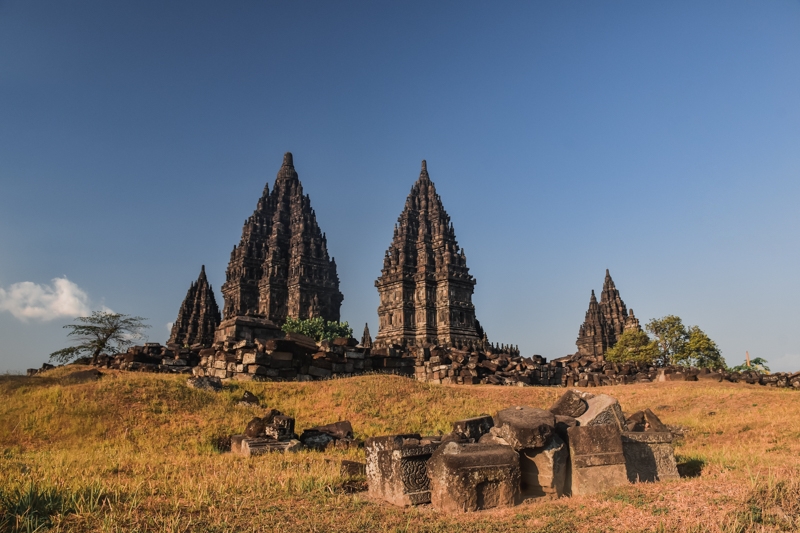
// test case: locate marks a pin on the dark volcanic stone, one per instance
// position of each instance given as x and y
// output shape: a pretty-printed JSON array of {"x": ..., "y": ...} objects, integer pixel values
[
  {"x": 569, "y": 404},
  {"x": 525, "y": 427},
  {"x": 255, "y": 428},
  {"x": 205, "y": 383},
  {"x": 473, "y": 428}
]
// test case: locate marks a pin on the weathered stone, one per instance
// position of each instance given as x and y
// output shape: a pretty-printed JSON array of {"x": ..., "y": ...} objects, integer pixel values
[
  {"x": 473, "y": 428},
  {"x": 563, "y": 423},
  {"x": 259, "y": 446},
  {"x": 569, "y": 404},
  {"x": 281, "y": 267},
  {"x": 649, "y": 456},
  {"x": 493, "y": 437},
  {"x": 597, "y": 461},
  {"x": 315, "y": 440},
  {"x": 425, "y": 286},
  {"x": 205, "y": 383},
  {"x": 473, "y": 477},
  {"x": 249, "y": 398},
  {"x": 525, "y": 427},
  {"x": 397, "y": 469},
  {"x": 281, "y": 428},
  {"x": 603, "y": 409},
  {"x": 544, "y": 470},
  {"x": 255, "y": 428},
  {"x": 198, "y": 316},
  {"x": 337, "y": 430}
]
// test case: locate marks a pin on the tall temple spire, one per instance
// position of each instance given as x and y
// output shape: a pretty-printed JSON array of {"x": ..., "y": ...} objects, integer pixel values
[
  {"x": 425, "y": 286},
  {"x": 198, "y": 316},
  {"x": 366, "y": 338},
  {"x": 281, "y": 267},
  {"x": 605, "y": 321}
]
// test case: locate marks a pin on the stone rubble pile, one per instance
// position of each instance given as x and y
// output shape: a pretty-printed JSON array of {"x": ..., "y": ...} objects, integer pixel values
[
  {"x": 581, "y": 445},
  {"x": 594, "y": 371}
]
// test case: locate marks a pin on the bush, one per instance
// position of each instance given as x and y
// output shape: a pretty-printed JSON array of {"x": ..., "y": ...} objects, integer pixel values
[
  {"x": 633, "y": 346},
  {"x": 318, "y": 328}
]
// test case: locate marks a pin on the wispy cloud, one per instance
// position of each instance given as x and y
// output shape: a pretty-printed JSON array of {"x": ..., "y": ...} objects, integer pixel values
[
  {"x": 31, "y": 301},
  {"x": 169, "y": 327}
]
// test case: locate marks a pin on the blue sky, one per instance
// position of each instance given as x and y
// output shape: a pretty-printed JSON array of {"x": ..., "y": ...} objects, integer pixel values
[{"x": 657, "y": 139}]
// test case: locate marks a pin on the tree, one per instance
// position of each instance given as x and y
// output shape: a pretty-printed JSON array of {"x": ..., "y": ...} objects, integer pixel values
[
  {"x": 318, "y": 329},
  {"x": 757, "y": 364},
  {"x": 633, "y": 346},
  {"x": 101, "y": 333},
  {"x": 700, "y": 351},
  {"x": 671, "y": 337}
]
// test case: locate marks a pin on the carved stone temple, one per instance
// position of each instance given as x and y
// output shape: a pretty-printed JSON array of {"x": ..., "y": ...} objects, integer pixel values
[
  {"x": 425, "y": 286},
  {"x": 198, "y": 316},
  {"x": 281, "y": 266},
  {"x": 605, "y": 321}
]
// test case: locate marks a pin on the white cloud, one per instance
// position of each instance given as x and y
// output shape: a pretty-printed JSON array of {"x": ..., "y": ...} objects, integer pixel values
[
  {"x": 31, "y": 301},
  {"x": 169, "y": 327}
]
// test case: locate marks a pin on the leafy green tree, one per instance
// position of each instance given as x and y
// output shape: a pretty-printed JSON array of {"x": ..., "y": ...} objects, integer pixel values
[
  {"x": 671, "y": 336},
  {"x": 633, "y": 346},
  {"x": 318, "y": 328},
  {"x": 700, "y": 351},
  {"x": 102, "y": 332},
  {"x": 757, "y": 364}
]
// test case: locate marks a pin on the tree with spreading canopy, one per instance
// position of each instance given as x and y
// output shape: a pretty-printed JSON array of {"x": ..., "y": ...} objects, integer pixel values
[
  {"x": 679, "y": 345},
  {"x": 103, "y": 332},
  {"x": 318, "y": 328},
  {"x": 633, "y": 346}
]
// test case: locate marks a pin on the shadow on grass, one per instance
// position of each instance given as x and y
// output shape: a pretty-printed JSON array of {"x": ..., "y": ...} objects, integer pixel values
[{"x": 690, "y": 466}]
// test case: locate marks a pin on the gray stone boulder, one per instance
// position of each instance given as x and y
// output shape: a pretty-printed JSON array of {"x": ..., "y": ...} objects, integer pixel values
[
  {"x": 596, "y": 459},
  {"x": 525, "y": 427},
  {"x": 570, "y": 404},
  {"x": 474, "y": 477},
  {"x": 649, "y": 456},
  {"x": 205, "y": 383},
  {"x": 472, "y": 429},
  {"x": 397, "y": 470},
  {"x": 603, "y": 409}
]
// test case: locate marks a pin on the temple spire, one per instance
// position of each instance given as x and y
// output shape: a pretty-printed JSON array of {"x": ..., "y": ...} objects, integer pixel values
[{"x": 198, "y": 316}]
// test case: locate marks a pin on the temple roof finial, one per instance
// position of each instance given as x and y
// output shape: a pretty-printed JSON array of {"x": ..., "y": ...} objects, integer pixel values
[
  {"x": 424, "y": 166},
  {"x": 288, "y": 161}
]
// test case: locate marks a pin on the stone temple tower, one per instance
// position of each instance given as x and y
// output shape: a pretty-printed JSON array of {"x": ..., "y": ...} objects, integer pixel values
[
  {"x": 281, "y": 266},
  {"x": 198, "y": 316},
  {"x": 425, "y": 286},
  {"x": 605, "y": 322}
]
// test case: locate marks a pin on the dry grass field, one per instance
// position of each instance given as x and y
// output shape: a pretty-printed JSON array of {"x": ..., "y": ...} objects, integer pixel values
[{"x": 137, "y": 452}]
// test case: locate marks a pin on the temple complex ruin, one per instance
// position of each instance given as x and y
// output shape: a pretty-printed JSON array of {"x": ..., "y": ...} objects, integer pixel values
[
  {"x": 425, "y": 286},
  {"x": 605, "y": 321},
  {"x": 281, "y": 266},
  {"x": 198, "y": 317}
]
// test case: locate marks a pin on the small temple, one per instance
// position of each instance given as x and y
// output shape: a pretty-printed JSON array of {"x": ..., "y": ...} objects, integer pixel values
[
  {"x": 198, "y": 316},
  {"x": 605, "y": 321}
]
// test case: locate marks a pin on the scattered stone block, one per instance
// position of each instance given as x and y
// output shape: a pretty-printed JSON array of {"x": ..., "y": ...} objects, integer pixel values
[
  {"x": 473, "y": 428},
  {"x": 596, "y": 458},
  {"x": 252, "y": 447},
  {"x": 281, "y": 428},
  {"x": 569, "y": 404},
  {"x": 525, "y": 427},
  {"x": 603, "y": 409},
  {"x": 249, "y": 399},
  {"x": 397, "y": 469},
  {"x": 255, "y": 428},
  {"x": 205, "y": 383},
  {"x": 474, "y": 477},
  {"x": 649, "y": 456},
  {"x": 563, "y": 423},
  {"x": 544, "y": 470}
]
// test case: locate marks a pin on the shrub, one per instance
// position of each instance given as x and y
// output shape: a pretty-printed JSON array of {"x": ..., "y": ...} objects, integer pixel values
[{"x": 318, "y": 328}]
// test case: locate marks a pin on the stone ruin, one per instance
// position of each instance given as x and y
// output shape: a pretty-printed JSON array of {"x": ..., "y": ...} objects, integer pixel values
[{"x": 583, "y": 444}]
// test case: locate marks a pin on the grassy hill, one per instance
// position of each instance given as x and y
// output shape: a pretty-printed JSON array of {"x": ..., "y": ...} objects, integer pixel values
[{"x": 137, "y": 452}]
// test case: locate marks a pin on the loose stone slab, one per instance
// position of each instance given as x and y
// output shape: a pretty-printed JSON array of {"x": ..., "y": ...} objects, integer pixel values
[
  {"x": 596, "y": 458},
  {"x": 473, "y": 428},
  {"x": 248, "y": 447},
  {"x": 525, "y": 427},
  {"x": 569, "y": 404},
  {"x": 473, "y": 477},
  {"x": 544, "y": 470},
  {"x": 397, "y": 468},
  {"x": 603, "y": 409},
  {"x": 649, "y": 456}
]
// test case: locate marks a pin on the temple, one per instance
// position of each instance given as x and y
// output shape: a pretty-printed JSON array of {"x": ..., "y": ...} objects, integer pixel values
[
  {"x": 281, "y": 266},
  {"x": 425, "y": 286},
  {"x": 605, "y": 321},
  {"x": 198, "y": 316}
]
